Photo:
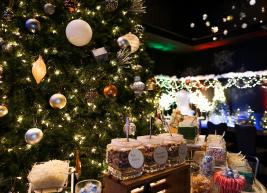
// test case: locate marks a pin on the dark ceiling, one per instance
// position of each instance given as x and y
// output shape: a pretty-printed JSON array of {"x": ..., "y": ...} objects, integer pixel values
[{"x": 182, "y": 20}]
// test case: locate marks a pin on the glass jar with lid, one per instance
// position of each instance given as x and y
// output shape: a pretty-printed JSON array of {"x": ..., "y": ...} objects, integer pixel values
[
  {"x": 176, "y": 148},
  {"x": 125, "y": 158},
  {"x": 156, "y": 155}
]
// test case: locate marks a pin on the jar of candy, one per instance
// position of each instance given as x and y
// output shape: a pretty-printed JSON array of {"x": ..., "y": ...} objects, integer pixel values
[
  {"x": 218, "y": 152},
  {"x": 125, "y": 158},
  {"x": 156, "y": 155},
  {"x": 176, "y": 148}
]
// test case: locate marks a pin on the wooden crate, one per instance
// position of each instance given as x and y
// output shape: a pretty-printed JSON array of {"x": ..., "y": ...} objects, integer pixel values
[{"x": 172, "y": 180}]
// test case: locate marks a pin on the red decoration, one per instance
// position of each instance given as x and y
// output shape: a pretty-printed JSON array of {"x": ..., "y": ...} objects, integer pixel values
[
  {"x": 71, "y": 5},
  {"x": 229, "y": 184},
  {"x": 187, "y": 81}
]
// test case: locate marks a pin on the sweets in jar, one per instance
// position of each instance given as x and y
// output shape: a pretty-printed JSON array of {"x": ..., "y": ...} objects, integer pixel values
[
  {"x": 125, "y": 158},
  {"x": 201, "y": 184},
  {"x": 218, "y": 151},
  {"x": 155, "y": 153},
  {"x": 176, "y": 148}
]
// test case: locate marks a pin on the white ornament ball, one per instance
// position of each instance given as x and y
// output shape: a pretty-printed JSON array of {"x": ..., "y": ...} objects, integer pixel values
[
  {"x": 33, "y": 136},
  {"x": 79, "y": 32}
]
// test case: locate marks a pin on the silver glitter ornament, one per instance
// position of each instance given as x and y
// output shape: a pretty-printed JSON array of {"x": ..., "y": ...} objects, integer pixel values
[
  {"x": 138, "y": 86},
  {"x": 49, "y": 9},
  {"x": 33, "y": 136},
  {"x": 111, "y": 5}
]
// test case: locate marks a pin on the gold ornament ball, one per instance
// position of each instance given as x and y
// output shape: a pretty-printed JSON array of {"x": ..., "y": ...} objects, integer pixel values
[
  {"x": 110, "y": 91},
  {"x": 58, "y": 101},
  {"x": 3, "y": 110}
]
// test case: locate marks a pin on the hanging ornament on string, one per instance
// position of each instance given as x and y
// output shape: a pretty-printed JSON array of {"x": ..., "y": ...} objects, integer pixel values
[
  {"x": 110, "y": 91},
  {"x": 129, "y": 40},
  {"x": 79, "y": 32},
  {"x": 138, "y": 86},
  {"x": 58, "y": 101},
  {"x": 91, "y": 95},
  {"x": 49, "y": 9},
  {"x": 111, "y": 5},
  {"x": 8, "y": 13},
  {"x": 33, "y": 136},
  {"x": 131, "y": 129},
  {"x": 71, "y": 5},
  {"x": 33, "y": 25},
  {"x": 39, "y": 69},
  {"x": 151, "y": 84},
  {"x": 3, "y": 110}
]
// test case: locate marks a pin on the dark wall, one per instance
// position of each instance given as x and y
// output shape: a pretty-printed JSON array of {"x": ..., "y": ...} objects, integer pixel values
[{"x": 246, "y": 55}]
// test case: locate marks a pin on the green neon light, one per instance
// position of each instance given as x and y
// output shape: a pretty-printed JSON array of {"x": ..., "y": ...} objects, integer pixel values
[{"x": 161, "y": 46}]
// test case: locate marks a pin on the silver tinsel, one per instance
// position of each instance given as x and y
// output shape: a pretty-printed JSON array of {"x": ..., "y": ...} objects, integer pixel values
[
  {"x": 137, "y": 6},
  {"x": 123, "y": 57}
]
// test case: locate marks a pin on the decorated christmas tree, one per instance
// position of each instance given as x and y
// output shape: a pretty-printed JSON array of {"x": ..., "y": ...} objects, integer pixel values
[{"x": 71, "y": 71}]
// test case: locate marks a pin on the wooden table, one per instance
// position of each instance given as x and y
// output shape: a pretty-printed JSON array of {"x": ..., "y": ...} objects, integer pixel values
[{"x": 171, "y": 180}]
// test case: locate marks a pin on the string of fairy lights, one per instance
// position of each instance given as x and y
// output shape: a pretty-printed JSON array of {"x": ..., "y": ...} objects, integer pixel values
[{"x": 240, "y": 80}]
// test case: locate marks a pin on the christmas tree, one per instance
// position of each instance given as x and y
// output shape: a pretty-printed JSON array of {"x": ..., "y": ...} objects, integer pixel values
[{"x": 71, "y": 70}]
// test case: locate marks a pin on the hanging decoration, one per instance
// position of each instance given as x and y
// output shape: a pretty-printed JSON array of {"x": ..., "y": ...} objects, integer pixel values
[
  {"x": 137, "y": 7},
  {"x": 8, "y": 13},
  {"x": 110, "y": 91},
  {"x": 33, "y": 25},
  {"x": 33, "y": 136},
  {"x": 111, "y": 5},
  {"x": 39, "y": 69},
  {"x": 138, "y": 86},
  {"x": 79, "y": 32},
  {"x": 124, "y": 57},
  {"x": 49, "y": 9},
  {"x": 151, "y": 84},
  {"x": 71, "y": 5},
  {"x": 3, "y": 110},
  {"x": 58, "y": 101},
  {"x": 91, "y": 95},
  {"x": 240, "y": 80},
  {"x": 129, "y": 40}
]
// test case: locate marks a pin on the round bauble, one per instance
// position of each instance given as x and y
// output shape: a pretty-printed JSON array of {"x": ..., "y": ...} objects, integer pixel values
[
  {"x": 110, "y": 91},
  {"x": 132, "y": 129},
  {"x": 129, "y": 40},
  {"x": 33, "y": 25},
  {"x": 58, "y": 101},
  {"x": 49, "y": 9},
  {"x": 79, "y": 32},
  {"x": 33, "y": 136},
  {"x": 71, "y": 5},
  {"x": 8, "y": 14},
  {"x": 3, "y": 110}
]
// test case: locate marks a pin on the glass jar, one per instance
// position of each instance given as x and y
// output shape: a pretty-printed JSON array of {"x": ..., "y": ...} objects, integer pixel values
[
  {"x": 125, "y": 158},
  {"x": 218, "y": 151},
  {"x": 88, "y": 186},
  {"x": 156, "y": 155},
  {"x": 174, "y": 144}
]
